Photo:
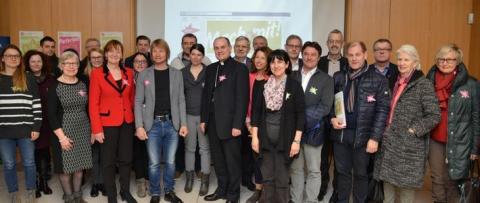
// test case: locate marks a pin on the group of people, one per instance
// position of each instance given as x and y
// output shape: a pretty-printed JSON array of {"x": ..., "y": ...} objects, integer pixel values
[{"x": 273, "y": 122}]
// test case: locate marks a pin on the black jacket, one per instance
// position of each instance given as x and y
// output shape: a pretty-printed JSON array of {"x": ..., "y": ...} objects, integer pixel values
[
  {"x": 463, "y": 122},
  {"x": 292, "y": 111},
  {"x": 323, "y": 63},
  {"x": 371, "y": 116},
  {"x": 318, "y": 103},
  {"x": 229, "y": 98},
  {"x": 392, "y": 74}
]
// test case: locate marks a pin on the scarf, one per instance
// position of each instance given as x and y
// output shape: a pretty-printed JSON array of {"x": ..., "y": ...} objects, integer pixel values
[
  {"x": 443, "y": 89},
  {"x": 400, "y": 85},
  {"x": 352, "y": 76},
  {"x": 273, "y": 93}
]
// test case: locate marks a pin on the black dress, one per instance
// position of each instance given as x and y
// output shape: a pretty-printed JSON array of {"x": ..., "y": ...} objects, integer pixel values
[{"x": 67, "y": 109}]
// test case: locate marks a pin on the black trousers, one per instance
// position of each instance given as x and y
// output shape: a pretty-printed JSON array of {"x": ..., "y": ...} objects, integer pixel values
[
  {"x": 347, "y": 160},
  {"x": 275, "y": 172},
  {"x": 226, "y": 155},
  {"x": 42, "y": 161},
  {"x": 116, "y": 150},
  {"x": 247, "y": 156},
  {"x": 140, "y": 159}
]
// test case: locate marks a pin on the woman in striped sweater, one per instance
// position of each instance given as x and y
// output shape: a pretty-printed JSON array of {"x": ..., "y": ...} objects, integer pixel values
[{"x": 20, "y": 121}]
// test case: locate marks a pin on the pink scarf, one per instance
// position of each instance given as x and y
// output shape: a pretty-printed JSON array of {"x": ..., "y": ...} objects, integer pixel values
[{"x": 273, "y": 93}]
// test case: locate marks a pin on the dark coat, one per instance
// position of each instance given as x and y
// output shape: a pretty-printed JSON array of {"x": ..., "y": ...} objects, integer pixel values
[
  {"x": 318, "y": 103},
  {"x": 371, "y": 115},
  {"x": 402, "y": 157},
  {"x": 323, "y": 63},
  {"x": 391, "y": 75},
  {"x": 293, "y": 117},
  {"x": 230, "y": 96},
  {"x": 46, "y": 132},
  {"x": 463, "y": 122}
]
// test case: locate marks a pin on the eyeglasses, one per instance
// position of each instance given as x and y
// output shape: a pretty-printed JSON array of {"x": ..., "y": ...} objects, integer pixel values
[
  {"x": 291, "y": 46},
  {"x": 12, "y": 56},
  {"x": 96, "y": 57},
  {"x": 70, "y": 64},
  {"x": 443, "y": 60},
  {"x": 140, "y": 62}
]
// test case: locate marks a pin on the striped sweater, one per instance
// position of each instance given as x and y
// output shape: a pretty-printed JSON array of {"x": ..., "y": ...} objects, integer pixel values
[{"x": 20, "y": 112}]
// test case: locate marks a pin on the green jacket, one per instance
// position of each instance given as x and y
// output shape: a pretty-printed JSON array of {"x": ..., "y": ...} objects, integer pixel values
[{"x": 463, "y": 122}]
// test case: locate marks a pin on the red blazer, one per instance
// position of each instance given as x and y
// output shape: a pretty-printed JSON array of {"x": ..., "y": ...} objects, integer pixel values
[{"x": 108, "y": 104}]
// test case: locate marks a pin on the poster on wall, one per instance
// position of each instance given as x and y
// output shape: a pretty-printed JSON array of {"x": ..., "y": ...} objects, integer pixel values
[
  {"x": 107, "y": 36},
  {"x": 29, "y": 40},
  {"x": 70, "y": 40},
  {"x": 4, "y": 41}
]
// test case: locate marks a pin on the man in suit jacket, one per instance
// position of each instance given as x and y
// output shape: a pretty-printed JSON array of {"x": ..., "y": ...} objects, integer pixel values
[
  {"x": 382, "y": 50},
  {"x": 329, "y": 64},
  {"x": 293, "y": 45},
  {"x": 241, "y": 49},
  {"x": 224, "y": 108},
  {"x": 318, "y": 88},
  {"x": 160, "y": 110}
]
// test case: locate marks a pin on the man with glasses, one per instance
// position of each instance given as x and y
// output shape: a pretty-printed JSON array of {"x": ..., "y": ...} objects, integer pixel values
[
  {"x": 91, "y": 43},
  {"x": 382, "y": 49},
  {"x": 293, "y": 44},
  {"x": 241, "y": 49}
]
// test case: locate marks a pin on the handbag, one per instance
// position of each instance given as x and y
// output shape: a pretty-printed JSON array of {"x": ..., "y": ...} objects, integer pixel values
[
  {"x": 470, "y": 188},
  {"x": 375, "y": 191}
]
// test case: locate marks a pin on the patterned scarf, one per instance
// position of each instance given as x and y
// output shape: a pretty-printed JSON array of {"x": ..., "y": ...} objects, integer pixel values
[
  {"x": 352, "y": 75},
  {"x": 273, "y": 92}
]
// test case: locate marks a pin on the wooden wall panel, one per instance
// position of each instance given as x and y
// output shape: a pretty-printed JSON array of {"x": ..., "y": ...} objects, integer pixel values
[
  {"x": 29, "y": 15},
  {"x": 107, "y": 15},
  {"x": 475, "y": 42},
  {"x": 87, "y": 16},
  {"x": 426, "y": 24},
  {"x": 367, "y": 20},
  {"x": 409, "y": 24},
  {"x": 449, "y": 24},
  {"x": 72, "y": 15},
  {"x": 5, "y": 18}
]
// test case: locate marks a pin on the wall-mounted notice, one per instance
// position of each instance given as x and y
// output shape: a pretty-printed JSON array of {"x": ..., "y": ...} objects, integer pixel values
[
  {"x": 70, "y": 40},
  {"x": 107, "y": 36},
  {"x": 29, "y": 40}
]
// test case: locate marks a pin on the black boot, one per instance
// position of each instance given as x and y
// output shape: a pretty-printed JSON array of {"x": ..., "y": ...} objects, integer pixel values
[
  {"x": 101, "y": 188},
  {"x": 323, "y": 189},
  {"x": 44, "y": 186},
  {"x": 38, "y": 194},
  {"x": 94, "y": 190},
  {"x": 126, "y": 196},
  {"x": 189, "y": 181},
  {"x": 205, "y": 183}
]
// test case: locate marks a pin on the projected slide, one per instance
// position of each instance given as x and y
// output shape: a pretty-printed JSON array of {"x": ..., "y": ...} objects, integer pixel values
[{"x": 208, "y": 19}]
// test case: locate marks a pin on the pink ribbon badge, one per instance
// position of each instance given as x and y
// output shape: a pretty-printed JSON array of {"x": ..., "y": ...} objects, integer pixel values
[
  {"x": 464, "y": 94},
  {"x": 82, "y": 93},
  {"x": 371, "y": 98},
  {"x": 146, "y": 82},
  {"x": 222, "y": 78}
]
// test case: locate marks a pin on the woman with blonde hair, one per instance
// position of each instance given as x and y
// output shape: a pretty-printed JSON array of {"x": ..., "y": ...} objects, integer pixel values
[
  {"x": 20, "y": 121},
  {"x": 452, "y": 143}
]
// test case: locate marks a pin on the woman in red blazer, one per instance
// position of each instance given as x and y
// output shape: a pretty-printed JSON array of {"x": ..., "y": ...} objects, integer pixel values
[{"x": 111, "y": 115}]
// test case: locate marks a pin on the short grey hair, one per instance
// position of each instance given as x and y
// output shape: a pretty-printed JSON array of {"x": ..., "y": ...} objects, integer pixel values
[
  {"x": 241, "y": 38},
  {"x": 445, "y": 49},
  {"x": 68, "y": 55},
  {"x": 412, "y": 52}
]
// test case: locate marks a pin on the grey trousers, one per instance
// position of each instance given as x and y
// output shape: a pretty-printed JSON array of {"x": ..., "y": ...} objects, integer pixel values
[
  {"x": 401, "y": 195},
  {"x": 443, "y": 188},
  {"x": 195, "y": 135},
  {"x": 309, "y": 159}
]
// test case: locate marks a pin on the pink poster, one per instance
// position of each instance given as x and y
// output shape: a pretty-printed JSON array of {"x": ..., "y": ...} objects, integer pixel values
[{"x": 70, "y": 40}]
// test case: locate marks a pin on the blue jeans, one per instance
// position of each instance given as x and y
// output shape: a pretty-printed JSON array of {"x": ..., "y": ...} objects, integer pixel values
[
  {"x": 162, "y": 139},
  {"x": 7, "y": 152}
]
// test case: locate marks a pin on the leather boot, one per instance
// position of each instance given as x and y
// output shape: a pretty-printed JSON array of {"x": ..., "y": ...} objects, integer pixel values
[
  {"x": 38, "y": 194},
  {"x": 189, "y": 181},
  {"x": 205, "y": 183},
  {"x": 44, "y": 186},
  {"x": 255, "y": 196}
]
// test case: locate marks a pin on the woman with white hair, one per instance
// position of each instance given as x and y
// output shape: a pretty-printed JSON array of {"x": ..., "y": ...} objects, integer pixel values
[
  {"x": 67, "y": 114},
  {"x": 414, "y": 111},
  {"x": 452, "y": 143}
]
